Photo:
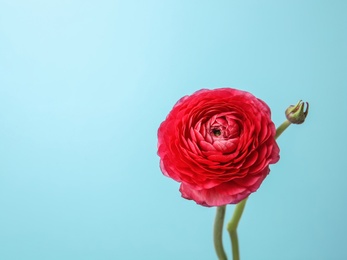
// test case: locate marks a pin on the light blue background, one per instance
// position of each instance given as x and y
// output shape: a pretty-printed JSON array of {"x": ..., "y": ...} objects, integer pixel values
[{"x": 84, "y": 86}]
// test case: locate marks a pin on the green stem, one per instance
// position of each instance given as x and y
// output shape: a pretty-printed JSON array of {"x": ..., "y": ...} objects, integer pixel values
[
  {"x": 281, "y": 128},
  {"x": 232, "y": 225},
  {"x": 218, "y": 233},
  {"x": 232, "y": 228}
]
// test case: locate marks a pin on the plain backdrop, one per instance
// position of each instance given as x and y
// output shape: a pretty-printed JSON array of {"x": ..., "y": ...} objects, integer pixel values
[{"x": 84, "y": 86}]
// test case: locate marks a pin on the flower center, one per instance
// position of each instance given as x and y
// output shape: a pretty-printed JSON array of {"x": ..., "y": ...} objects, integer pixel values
[{"x": 217, "y": 132}]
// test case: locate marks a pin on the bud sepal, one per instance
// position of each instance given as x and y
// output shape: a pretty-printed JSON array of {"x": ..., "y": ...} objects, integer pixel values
[{"x": 297, "y": 114}]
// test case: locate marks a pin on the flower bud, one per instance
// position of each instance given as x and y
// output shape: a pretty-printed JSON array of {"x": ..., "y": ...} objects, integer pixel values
[{"x": 296, "y": 114}]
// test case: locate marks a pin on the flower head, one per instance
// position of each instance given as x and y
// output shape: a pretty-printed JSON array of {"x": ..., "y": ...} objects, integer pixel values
[{"x": 218, "y": 144}]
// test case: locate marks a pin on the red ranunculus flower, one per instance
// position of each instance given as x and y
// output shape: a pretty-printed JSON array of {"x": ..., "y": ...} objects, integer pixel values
[{"x": 218, "y": 144}]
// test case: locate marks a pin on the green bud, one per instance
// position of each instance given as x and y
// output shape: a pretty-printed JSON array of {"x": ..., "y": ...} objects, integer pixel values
[{"x": 297, "y": 114}]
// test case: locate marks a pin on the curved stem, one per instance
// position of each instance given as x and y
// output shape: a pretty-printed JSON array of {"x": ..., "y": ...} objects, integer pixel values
[
  {"x": 281, "y": 128},
  {"x": 232, "y": 225},
  {"x": 218, "y": 233},
  {"x": 232, "y": 228}
]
